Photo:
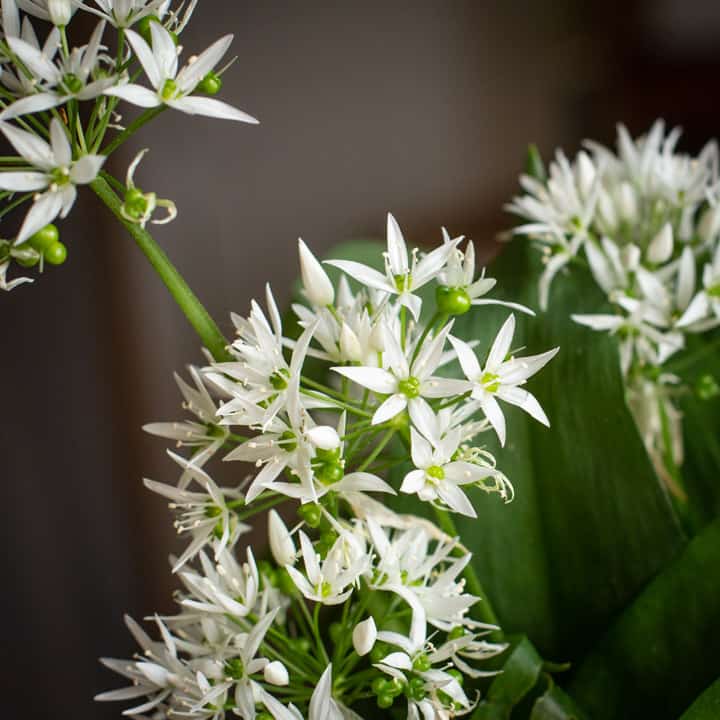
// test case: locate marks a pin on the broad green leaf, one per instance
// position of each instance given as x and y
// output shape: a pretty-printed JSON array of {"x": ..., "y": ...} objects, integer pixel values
[
  {"x": 663, "y": 649},
  {"x": 590, "y": 524},
  {"x": 519, "y": 675},
  {"x": 707, "y": 706}
]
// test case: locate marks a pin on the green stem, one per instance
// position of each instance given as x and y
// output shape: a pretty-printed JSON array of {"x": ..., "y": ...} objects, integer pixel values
[
  {"x": 193, "y": 309},
  {"x": 378, "y": 449}
]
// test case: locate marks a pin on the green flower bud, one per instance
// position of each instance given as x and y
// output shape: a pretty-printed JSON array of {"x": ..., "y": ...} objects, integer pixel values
[
  {"x": 415, "y": 689},
  {"x": 30, "y": 256},
  {"x": 143, "y": 27},
  {"x": 454, "y": 672},
  {"x": 55, "y": 254},
  {"x": 211, "y": 84},
  {"x": 452, "y": 301},
  {"x": 385, "y": 700},
  {"x": 456, "y": 633},
  {"x": 378, "y": 685},
  {"x": 336, "y": 630},
  {"x": 422, "y": 663},
  {"x": 311, "y": 514},
  {"x": 45, "y": 237},
  {"x": 534, "y": 165}
]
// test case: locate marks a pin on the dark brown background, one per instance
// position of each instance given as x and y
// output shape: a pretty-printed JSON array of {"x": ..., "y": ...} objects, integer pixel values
[{"x": 421, "y": 108}]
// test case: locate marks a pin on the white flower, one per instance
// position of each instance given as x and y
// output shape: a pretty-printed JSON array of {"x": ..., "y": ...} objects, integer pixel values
[
  {"x": 501, "y": 378},
  {"x": 364, "y": 636},
  {"x": 458, "y": 280},
  {"x": 56, "y": 173},
  {"x": 403, "y": 277},
  {"x": 173, "y": 88},
  {"x": 203, "y": 514},
  {"x": 438, "y": 476},
  {"x": 156, "y": 675},
  {"x": 228, "y": 588},
  {"x": 406, "y": 380},
  {"x": 316, "y": 284},
  {"x": 410, "y": 567},
  {"x": 330, "y": 582},
  {"x": 206, "y": 434},
  {"x": 62, "y": 82},
  {"x": 281, "y": 542},
  {"x": 16, "y": 80}
]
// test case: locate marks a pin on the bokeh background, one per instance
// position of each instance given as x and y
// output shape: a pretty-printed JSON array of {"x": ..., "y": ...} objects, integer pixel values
[{"x": 422, "y": 108}]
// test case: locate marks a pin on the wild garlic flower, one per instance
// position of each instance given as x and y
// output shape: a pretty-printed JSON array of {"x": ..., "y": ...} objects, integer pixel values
[
  {"x": 172, "y": 87},
  {"x": 404, "y": 274},
  {"x": 126, "y": 13},
  {"x": 58, "y": 12},
  {"x": 501, "y": 377},
  {"x": 54, "y": 177}
]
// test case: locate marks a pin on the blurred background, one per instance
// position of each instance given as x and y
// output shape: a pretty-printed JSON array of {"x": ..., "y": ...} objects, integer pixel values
[{"x": 422, "y": 108}]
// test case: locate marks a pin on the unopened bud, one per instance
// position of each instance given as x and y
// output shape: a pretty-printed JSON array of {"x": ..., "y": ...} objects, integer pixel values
[
  {"x": 324, "y": 437},
  {"x": 60, "y": 12},
  {"x": 350, "y": 347},
  {"x": 585, "y": 173},
  {"x": 318, "y": 288},
  {"x": 627, "y": 202},
  {"x": 276, "y": 673},
  {"x": 709, "y": 224},
  {"x": 661, "y": 248},
  {"x": 281, "y": 542},
  {"x": 364, "y": 636}
]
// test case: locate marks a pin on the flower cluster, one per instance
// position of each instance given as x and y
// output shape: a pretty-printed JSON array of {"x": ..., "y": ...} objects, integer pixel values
[
  {"x": 646, "y": 219},
  {"x": 60, "y": 108},
  {"x": 365, "y": 394}
]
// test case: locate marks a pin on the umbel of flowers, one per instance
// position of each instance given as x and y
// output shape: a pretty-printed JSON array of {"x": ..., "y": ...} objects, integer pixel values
[
  {"x": 645, "y": 218},
  {"x": 359, "y": 608}
]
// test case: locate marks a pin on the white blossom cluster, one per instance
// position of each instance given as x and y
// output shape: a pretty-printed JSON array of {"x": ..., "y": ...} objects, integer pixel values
[
  {"x": 361, "y": 609},
  {"x": 60, "y": 107},
  {"x": 646, "y": 220}
]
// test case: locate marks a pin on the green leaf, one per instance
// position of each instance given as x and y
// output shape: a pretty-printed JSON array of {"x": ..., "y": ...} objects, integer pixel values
[
  {"x": 590, "y": 524},
  {"x": 707, "y": 706},
  {"x": 554, "y": 704},
  {"x": 519, "y": 675},
  {"x": 663, "y": 650}
]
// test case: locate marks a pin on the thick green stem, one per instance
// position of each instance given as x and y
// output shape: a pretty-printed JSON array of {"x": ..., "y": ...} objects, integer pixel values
[{"x": 193, "y": 309}]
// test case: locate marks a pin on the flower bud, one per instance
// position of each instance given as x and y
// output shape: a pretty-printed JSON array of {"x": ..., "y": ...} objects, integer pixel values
[
  {"x": 318, "y": 288},
  {"x": 60, "y": 12},
  {"x": 350, "y": 347},
  {"x": 324, "y": 437},
  {"x": 585, "y": 173},
  {"x": 606, "y": 211},
  {"x": 281, "y": 542},
  {"x": 661, "y": 247},
  {"x": 709, "y": 224},
  {"x": 364, "y": 636},
  {"x": 276, "y": 673},
  {"x": 630, "y": 257},
  {"x": 627, "y": 202}
]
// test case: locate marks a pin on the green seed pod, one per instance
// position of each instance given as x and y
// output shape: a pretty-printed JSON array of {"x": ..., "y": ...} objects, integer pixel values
[
  {"x": 55, "y": 254},
  {"x": 45, "y": 237}
]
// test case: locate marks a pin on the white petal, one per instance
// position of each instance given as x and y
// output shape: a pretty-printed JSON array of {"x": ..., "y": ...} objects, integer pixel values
[
  {"x": 35, "y": 61},
  {"x": 364, "y": 636},
  {"x": 376, "y": 379},
  {"x": 421, "y": 450},
  {"x": 467, "y": 358},
  {"x": 495, "y": 416},
  {"x": 525, "y": 401},
  {"x": 32, "y": 104},
  {"x": 397, "y": 249},
  {"x": 660, "y": 249},
  {"x": 35, "y": 150},
  {"x": 43, "y": 211},
  {"x": 501, "y": 344},
  {"x": 363, "y": 274},
  {"x": 456, "y": 499},
  {"x": 60, "y": 144},
  {"x": 86, "y": 169},
  {"x": 686, "y": 278},
  {"x": 146, "y": 58},
  {"x": 600, "y": 322},
  {"x": 413, "y": 482},
  {"x": 209, "y": 107},
  {"x": 164, "y": 50},
  {"x": 318, "y": 288},
  {"x": 394, "y": 405},
  {"x": 135, "y": 94},
  {"x": 23, "y": 181}
]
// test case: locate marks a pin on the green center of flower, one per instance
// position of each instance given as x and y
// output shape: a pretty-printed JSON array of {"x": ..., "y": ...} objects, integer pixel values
[
  {"x": 60, "y": 176},
  {"x": 72, "y": 83},
  {"x": 234, "y": 668},
  {"x": 169, "y": 90},
  {"x": 410, "y": 387},
  {"x": 279, "y": 379},
  {"x": 490, "y": 381},
  {"x": 421, "y": 663},
  {"x": 287, "y": 441},
  {"x": 452, "y": 301},
  {"x": 325, "y": 589},
  {"x": 435, "y": 472},
  {"x": 714, "y": 291},
  {"x": 403, "y": 282}
]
